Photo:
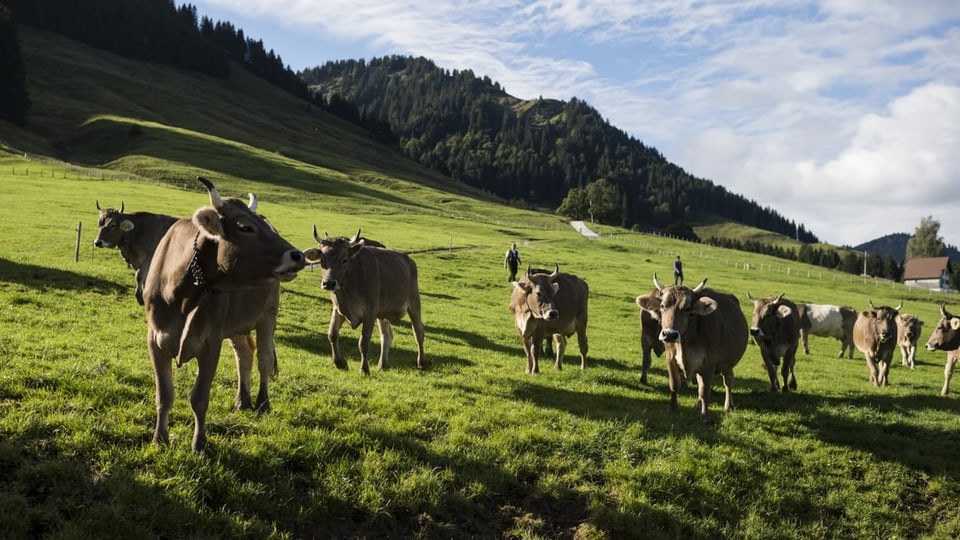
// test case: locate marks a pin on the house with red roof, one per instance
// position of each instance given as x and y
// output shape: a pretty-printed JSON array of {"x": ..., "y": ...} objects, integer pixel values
[{"x": 930, "y": 273}]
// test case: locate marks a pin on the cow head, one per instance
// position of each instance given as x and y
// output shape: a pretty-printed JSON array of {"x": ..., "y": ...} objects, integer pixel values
[
  {"x": 883, "y": 320},
  {"x": 334, "y": 254},
  {"x": 112, "y": 224},
  {"x": 538, "y": 290},
  {"x": 246, "y": 249},
  {"x": 768, "y": 315},
  {"x": 675, "y": 306},
  {"x": 908, "y": 328},
  {"x": 946, "y": 335}
]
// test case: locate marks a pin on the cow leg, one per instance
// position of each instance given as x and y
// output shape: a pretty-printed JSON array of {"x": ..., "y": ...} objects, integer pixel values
[
  {"x": 242, "y": 347},
  {"x": 647, "y": 359},
  {"x": 948, "y": 371},
  {"x": 704, "y": 389},
  {"x": 207, "y": 362},
  {"x": 883, "y": 369},
  {"x": 728, "y": 390},
  {"x": 582, "y": 342},
  {"x": 333, "y": 335},
  {"x": 418, "y": 333},
  {"x": 674, "y": 378},
  {"x": 872, "y": 368},
  {"x": 560, "y": 342},
  {"x": 366, "y": 332},
  {"x": 163, "y": 380},
  {"x": 912, "y": 357},
  {"x": 806, "y": 346},
  {"x": 771, "y": 368},
  {"x": 266, "y": 356},
  {"x": 386, "y": 340},
  {"x": 789, "y": 376}
]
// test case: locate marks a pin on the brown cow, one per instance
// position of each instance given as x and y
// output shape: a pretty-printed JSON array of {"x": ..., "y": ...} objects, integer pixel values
[
  {"x": 212, "y": 276},
  {"x": 136, "y": 235},
  {"x": 776, "y": 330},
  {"x": 649, "y": 339},
  {"x": 367, "y": 285},
  {"x": 875, "y": 335},
  {"x": 553, "y": 304},
  {"x": 827, "y": 321},
  {"x": 705, "y": 333},
  {"x": 908, "y": 333},
  {"x": 946, "y": 337}
]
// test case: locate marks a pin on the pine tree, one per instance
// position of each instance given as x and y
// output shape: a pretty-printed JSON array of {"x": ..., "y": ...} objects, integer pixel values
[{"x": 14, "y": 101}]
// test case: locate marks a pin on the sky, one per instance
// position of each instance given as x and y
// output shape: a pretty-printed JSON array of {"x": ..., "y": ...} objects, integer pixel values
[{"x": 842, "y": 115}]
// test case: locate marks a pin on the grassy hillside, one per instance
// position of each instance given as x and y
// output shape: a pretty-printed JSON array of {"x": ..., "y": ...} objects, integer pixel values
[{"x": 471, "y": 447}]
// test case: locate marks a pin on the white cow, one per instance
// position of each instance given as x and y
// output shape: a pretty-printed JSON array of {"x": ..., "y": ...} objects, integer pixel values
[{"x": 827, "y": 321}]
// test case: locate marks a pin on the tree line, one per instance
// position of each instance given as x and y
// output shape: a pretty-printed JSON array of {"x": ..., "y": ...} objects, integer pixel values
[{"x": 533, "y": 152}]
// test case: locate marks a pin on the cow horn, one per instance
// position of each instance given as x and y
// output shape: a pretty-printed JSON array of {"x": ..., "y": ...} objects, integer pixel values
[
  {"x": 656, "y": 282},
  {"x": 253, "y": 202},
  {"x": 750, "y": 298},
  {"x": 529, "y": 267},
  {"x": 779, "y": 298},
  {"x": 121, "y": 207},
  {"x": 215, "y": 199},
  {"x": 315, "y": 235},
  {"x": 356, "y": 237},
  {"x": 869, "y": 301},
  {"x": 899, "y": 306},
  {"x": 556, "y": 270},
  {"x": 98, "y": 205},
  {"x": 944, "y": 312},
  {"x": 700, "y": 287}
]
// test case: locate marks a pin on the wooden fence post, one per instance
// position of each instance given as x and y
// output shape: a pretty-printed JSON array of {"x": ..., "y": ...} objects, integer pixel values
[{"x": 76, "y": 253}]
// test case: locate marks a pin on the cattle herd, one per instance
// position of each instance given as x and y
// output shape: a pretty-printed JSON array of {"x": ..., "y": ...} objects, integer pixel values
[{"x": 216, "y": 275}]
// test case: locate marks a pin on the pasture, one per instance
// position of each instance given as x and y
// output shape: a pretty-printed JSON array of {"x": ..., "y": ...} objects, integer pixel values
[{"x": 471, "y": 447}]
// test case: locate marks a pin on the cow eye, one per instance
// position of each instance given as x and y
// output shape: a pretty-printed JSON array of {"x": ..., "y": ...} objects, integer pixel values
[{"x": 245, "y": 228}]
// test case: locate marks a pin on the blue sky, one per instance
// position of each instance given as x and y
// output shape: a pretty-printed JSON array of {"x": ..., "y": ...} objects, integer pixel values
[{"x": 843, "y": 115}]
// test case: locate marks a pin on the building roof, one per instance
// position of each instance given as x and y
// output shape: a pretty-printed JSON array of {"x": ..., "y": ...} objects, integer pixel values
[{"x": 925, "y": 268}]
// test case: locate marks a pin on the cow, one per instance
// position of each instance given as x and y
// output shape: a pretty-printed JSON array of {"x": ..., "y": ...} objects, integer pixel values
[
  {"x": 875, "y": 335},
  {"x": 136, "y": 235},
  {"x": 827, "y": 321},
  {"x": 368, "y": 284},
  {"x": 545, "y": 305},
  {"x": 946, "y": 337},
  {"x": 908, "y": 333},
  {"x": 649, "y": 339},
  {"x": 212, "y": 276},
  {"x": 776, "y": 330},
  {"x": 704, "y": 333}
]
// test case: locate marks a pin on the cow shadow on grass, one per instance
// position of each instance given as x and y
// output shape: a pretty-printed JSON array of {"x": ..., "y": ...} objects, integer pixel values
[
  {"x": 475, "y": 341},
  {"x": 45, "y": 279},
  {"x": 861, "y": 423},
  {"x": 589, "y": 405}
]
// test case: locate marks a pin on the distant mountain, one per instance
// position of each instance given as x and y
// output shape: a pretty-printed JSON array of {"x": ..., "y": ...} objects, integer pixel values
[
  {"x": 531, "y": 152},
  {"x": 895, "y": 246}
]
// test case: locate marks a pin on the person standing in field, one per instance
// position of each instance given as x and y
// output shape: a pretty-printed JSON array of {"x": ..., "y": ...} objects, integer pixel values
[
  {"x": 677, "y": 272},
  {"x": 512, "y": 259}
]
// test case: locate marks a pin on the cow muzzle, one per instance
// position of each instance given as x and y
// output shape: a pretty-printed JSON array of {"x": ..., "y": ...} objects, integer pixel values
[
  {"x": 100, "y": 243},
  {"x": 552, "y": 314},
  {"x": 756, "y": 332},
  {"x": 330, "y": 284},
  {"x": 669, "y": 335},
  {"x": 884, "y": 337},
  {"x": 292, "y": 262}
]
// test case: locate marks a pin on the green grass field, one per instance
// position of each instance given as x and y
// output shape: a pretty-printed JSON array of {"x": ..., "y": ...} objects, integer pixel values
[{"x": 469, "y": 448}]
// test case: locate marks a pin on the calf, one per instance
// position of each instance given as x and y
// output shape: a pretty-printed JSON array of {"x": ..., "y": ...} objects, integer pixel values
[
  {"x": 704, "y": 332},
  {"x": 946, "y": 337},
  {"x": 776, "y": 329},
  {"x": 875, "y": 335},
  {"x": 908, "y": 333}
]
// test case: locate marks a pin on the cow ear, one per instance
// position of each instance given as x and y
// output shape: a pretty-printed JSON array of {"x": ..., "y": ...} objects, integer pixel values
[
  {"x": 955, "y": 323},
  {"x": 524, "y": 287},
  {"x": 208, "y": 221},
  {"x": 704, "y": 306},
  {"x": 784, "y": 311},
  {"x": 313, "y": 256},
  {"x": 648, "y": 302},
  {"x": 355, "y": 247},
  {"x": 126, "y": 225}
]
